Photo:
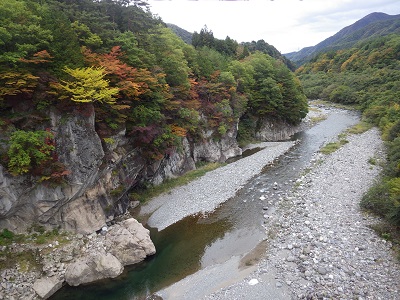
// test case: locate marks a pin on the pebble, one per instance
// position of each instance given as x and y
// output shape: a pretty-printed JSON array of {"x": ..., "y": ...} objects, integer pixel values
[{"x": 253, "y": 281}]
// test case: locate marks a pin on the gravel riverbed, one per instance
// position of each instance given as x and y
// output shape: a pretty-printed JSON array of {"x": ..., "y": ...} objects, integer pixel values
[
  {"x": 321, "y": 245},
  {"x": 204, "y": 194}
]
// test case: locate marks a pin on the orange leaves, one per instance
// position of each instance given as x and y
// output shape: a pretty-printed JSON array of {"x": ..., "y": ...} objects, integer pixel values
[
  {"x": 38, "y": 58},
  {"x": 178, "y": 131},
  {"x": 131, "y": 82},
  {"x": 110, "y": 61},
  {"x": 14, "y": 83}
]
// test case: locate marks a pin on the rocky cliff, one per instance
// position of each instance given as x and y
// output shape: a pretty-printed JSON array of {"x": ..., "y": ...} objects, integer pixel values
[{"x": 101, "y": 174}]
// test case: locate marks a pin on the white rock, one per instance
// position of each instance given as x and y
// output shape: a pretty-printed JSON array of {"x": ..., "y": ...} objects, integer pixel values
[{"x": 253, "y": 281}]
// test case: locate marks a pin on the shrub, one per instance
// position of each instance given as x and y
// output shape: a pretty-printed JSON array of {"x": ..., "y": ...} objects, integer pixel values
[
  {"x": 29, "y": 149},
  {"x": 6, "y": 234}
]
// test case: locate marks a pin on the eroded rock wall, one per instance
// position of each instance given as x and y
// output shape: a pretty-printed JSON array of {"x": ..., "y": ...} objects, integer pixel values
[
  {"x": 275, "y": 130},
  {"x": 101, "y": 174}
]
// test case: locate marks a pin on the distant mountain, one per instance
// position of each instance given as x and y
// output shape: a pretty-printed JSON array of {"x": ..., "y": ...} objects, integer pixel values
[
  {"x": 185, "y": 35},
  {"x": 372, "y": 25}
]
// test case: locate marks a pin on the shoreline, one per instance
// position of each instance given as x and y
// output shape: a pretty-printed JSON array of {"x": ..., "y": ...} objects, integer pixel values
[
  {"x": 320, "y": 242},
  {"x": 323, "y": 246},
  {"x": 171, "y": 207}
]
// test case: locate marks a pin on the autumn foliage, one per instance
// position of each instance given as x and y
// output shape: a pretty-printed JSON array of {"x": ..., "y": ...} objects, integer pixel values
[{"x": 120, "y": 64}]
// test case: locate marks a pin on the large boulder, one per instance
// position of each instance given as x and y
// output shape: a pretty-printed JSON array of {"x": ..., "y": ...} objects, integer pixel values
[
  {"x": 92, "y": 268},
  {"x": 130, "y": 242},
  {"x": 47, "y": 286}
]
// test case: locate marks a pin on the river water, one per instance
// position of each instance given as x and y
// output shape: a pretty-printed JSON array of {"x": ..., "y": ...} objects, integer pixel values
[{"x": 234, "y": 229}]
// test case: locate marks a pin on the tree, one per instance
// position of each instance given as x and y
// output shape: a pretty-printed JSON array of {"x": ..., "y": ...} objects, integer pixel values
[
  {"x": 64, "y": 48},
  {"x": 134, "y": 55},
  {"x": 88, "y": 85},
  {"x": 168, "y": 50},
  {"x": 86, "y": 37},
  {"x": 204, "y": 38},
  {"x": 21, "y": 33}
]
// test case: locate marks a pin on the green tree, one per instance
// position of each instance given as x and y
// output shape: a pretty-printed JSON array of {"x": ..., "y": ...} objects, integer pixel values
[
  {"x": 21, "y": 34},
  {"x": 204, "y": 38},
  {"x": 134, "y": 55},
  {"x": 64, "y": 48},
  {"x": 29, "y": 149},
  {"x": 86, "y": 37},
  {"x": 168, "y": 50}
]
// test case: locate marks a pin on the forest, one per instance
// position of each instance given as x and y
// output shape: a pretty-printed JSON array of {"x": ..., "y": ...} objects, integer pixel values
[
  {"x": 367, "y": 76},
  {"x": 116, "y": 60}
]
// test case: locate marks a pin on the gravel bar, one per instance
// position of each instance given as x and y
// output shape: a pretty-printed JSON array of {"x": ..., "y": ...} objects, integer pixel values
[
  {"x": 321, "y": 243},
  {"x": 206, "y": 193}
]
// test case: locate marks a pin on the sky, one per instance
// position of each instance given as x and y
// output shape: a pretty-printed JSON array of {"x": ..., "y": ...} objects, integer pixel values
[{"x": 288, "y": 25}]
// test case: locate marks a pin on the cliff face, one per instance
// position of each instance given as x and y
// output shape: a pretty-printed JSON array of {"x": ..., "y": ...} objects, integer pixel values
[
  {"x": 101, "y": 175},
  {"x": 273, "y": 131}
]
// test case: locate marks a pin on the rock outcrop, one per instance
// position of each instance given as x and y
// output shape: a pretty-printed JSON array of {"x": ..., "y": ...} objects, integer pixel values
[
  {"x": 122, "y": 244},
  {"x": 220, "y": 150},
  {"x": 102, "y": 172},
  {"x": 273, "y": 131}
]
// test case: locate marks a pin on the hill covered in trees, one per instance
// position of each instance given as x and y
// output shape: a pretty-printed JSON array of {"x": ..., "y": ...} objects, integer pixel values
[
  {"x": 185, "y": 35},
  {"x": 118, "y": 61},
  {"x": 371, "y": 26},
  {"x": 366, "y": 75}
]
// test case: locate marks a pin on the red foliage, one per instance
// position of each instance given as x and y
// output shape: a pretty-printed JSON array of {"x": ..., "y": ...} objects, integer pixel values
[
  {"x": 144, "y": 135},
  {"x": 132, "y": 82}
]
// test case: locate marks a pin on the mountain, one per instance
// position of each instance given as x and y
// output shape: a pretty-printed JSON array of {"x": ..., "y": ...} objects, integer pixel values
[
  {"x": 372, "y": 25},
  {"x": 185, "y": 35}
]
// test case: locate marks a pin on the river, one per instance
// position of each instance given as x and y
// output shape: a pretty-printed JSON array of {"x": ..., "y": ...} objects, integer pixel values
[{"x": 233, "y": 230}]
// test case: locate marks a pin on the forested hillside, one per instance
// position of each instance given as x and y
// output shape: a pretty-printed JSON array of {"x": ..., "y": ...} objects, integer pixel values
[
  {"x": 185, "y": 35},
  {"x": 371, "y": 26},
  {"x": 367, "y": 75},
  {"x": 135, "y": 73}
]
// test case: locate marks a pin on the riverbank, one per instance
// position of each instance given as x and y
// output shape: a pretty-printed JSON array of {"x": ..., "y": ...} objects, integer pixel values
[
  {"x": 320, "y": 244},
  {"x": 52, "y": 257},
  {"x": 216, "y": 187},
  {"x": 204, "y": 194}
]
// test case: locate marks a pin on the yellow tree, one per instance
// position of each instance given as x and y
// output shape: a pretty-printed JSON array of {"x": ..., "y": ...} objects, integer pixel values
[{"x": 88, "y": 85}]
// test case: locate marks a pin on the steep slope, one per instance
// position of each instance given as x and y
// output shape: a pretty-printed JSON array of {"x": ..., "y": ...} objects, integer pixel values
[{"x": 372, "y": 25}]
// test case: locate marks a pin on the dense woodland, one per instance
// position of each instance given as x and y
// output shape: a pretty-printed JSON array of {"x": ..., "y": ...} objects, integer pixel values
[
  {"x": 366, "y": 75},
  {"x": 113, "y": 59}
]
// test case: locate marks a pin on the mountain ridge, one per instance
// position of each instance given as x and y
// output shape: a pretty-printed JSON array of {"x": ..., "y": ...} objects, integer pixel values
[{"x": 373, "y": 24}]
